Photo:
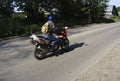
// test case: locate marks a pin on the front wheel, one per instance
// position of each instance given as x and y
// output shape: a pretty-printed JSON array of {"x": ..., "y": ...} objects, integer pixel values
[
  {"x": 39, "y": 54},
  {"x": 65, "y": 44}
]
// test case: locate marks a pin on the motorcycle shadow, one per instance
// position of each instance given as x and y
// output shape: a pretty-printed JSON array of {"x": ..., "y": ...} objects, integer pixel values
[{"x": 71, "y": 48}]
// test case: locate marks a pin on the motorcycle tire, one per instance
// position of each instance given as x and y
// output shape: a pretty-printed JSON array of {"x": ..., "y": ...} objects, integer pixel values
[
  {"x": 39, "y": 54},
  {"x": 65, "y": 44}
]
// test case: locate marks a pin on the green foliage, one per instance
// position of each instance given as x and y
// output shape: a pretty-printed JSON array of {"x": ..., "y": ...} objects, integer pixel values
[
  {"x": 91, "y": 9},
  {"x": 19, "y": 16},
  {"x": 118, "y": 8},
  {"x": 6, "y": 8},
  {"x": 30, "y": 7},
  {"x": 70, "y": 12},
  {"x": 116, "y": 18},
  {"x": 16, "y": 26}
]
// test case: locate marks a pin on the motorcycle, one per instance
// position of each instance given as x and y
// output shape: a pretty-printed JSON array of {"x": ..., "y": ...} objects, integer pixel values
[{"x": 43, "y": 44}]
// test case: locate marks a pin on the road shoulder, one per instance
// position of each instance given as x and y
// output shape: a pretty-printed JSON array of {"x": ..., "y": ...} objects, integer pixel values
[{"x": 107, "y": 69}]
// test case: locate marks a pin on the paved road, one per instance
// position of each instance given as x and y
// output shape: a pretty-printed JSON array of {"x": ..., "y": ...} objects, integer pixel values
[{"x": 88, "y": 46}]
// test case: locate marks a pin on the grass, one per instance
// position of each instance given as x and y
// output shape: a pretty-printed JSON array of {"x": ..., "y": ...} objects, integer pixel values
[{"x": 116, "y": 18}]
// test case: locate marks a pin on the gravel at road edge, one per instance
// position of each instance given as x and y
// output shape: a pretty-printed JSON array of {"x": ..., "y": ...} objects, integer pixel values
[{"x": 107, "y": 69}]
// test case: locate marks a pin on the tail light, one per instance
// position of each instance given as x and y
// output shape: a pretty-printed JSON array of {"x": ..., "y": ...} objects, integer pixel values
[
  {"x": 42, "y": 40},
  {"x": 31, "y": 40}
]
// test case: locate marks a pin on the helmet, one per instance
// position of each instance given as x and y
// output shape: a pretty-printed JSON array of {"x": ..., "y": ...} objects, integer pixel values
[{"x": 50, "y": 18}]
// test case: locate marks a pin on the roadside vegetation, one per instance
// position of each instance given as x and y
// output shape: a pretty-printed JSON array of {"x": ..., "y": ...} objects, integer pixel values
[
  {"x": 116, "y": 18},
  {"x": 118, "y": 8},
  {"x": 32, "y": 14}
]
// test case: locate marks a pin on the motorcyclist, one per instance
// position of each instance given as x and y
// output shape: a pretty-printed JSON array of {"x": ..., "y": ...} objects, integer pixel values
[{"x": 48, "y": 31}]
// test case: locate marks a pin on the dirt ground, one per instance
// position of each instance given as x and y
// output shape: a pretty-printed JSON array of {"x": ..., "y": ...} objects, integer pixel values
[{"x": 107, "y": 69}]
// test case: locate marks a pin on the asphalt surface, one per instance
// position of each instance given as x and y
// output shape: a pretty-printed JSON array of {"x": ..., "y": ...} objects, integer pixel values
[{"x": 88, "y": 45}]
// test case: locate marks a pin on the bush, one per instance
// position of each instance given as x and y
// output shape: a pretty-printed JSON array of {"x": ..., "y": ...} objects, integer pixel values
[{"x": 4, "y": 26}]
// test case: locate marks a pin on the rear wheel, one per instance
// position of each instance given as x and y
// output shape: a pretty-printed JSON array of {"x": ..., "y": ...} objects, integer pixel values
[{"x": 39, "y": 54}]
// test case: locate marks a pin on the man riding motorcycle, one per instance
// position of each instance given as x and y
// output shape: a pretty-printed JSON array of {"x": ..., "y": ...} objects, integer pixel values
[
  {"x": 50, "y": 41},
  {"x": 48, "y": 31}
]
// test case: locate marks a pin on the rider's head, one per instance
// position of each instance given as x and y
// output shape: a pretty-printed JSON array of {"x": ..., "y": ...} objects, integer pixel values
[{"x": 50, "y": 18}]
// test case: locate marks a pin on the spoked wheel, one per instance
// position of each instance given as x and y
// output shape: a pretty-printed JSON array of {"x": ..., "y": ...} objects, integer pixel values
[
  {"x": 39, "y": 54},
  {"x": 65, "y": 44}
]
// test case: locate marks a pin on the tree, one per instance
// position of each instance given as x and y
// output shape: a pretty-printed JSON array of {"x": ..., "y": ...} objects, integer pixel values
[
  {"x": 6, "y": 7},
  {"x": 6, "y": 11},
  {"x": 35, "y": 10},
  {"x": 118, "y": 8},
  {"x": 95, "y": 9},
  {"x": 30, "y": 8}
]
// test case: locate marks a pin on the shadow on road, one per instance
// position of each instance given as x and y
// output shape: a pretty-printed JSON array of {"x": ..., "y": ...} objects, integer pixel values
[{"x": 71, "y": 48}]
